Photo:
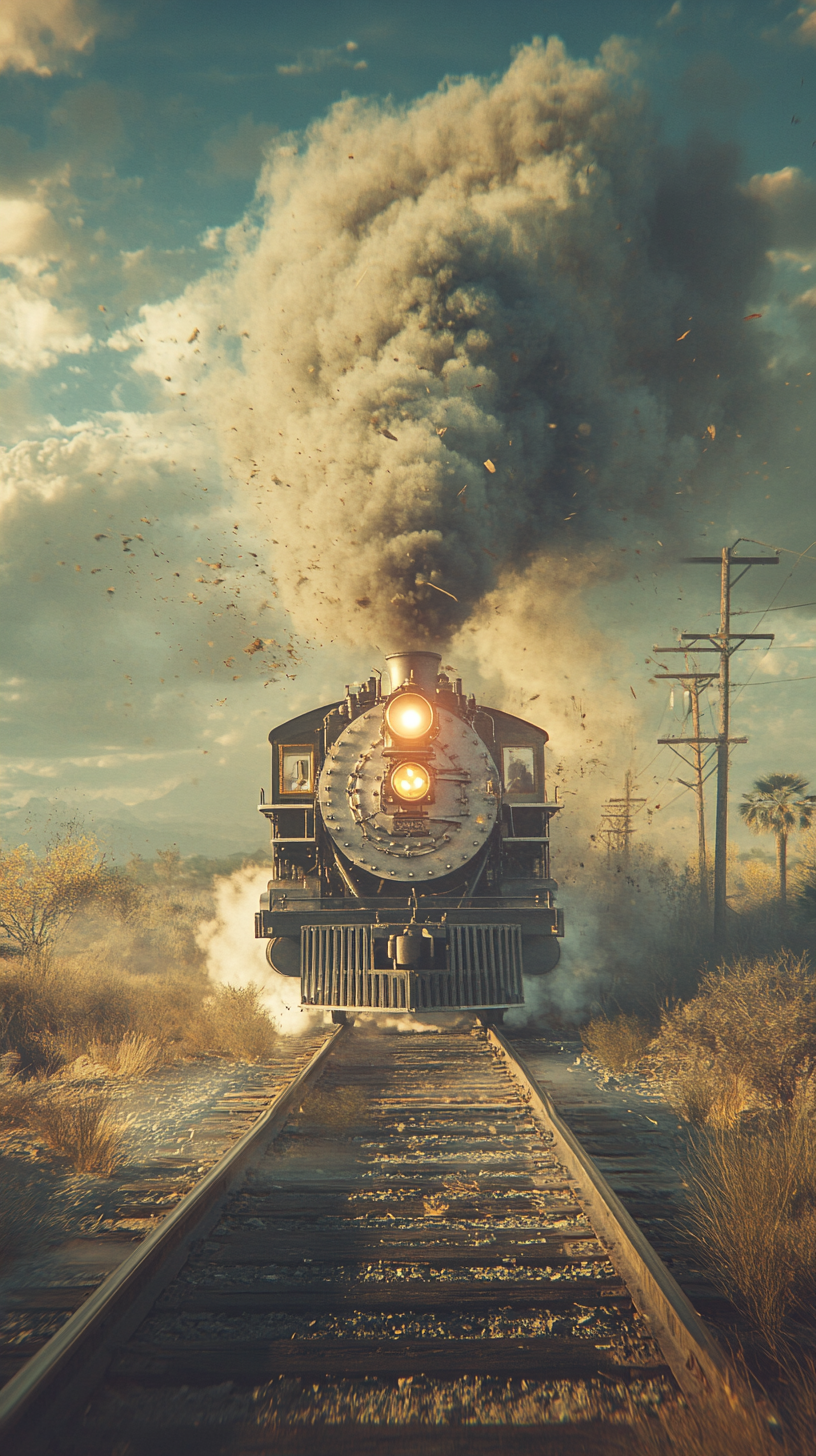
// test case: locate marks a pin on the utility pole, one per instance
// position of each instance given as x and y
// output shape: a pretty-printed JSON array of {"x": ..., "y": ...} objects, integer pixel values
[
  {"x": 725, "y": 643},
  {"x": 699, "y": 789},
  {"x": 617, "y": 830},
  {"x": 694, "y": 683},
  {"x": 721, "y": 821}
]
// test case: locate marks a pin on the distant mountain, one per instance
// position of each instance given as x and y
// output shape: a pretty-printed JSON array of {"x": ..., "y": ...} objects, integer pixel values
[{"x": 185, "y": 817}]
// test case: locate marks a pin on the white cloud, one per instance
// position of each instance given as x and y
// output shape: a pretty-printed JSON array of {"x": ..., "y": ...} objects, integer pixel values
[
  {"x": 672, "y": 16},
  {"x": 317, "y": 58},
  {"x": 791, "y": 199},
  {"x": 806, "y": 32},
  {"x": 26, "y": 228},
  {"x": 33, "y": 333},
  {"x": 45, "y": 36}
]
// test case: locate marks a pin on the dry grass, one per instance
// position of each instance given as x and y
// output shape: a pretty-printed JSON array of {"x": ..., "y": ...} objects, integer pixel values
[
  {"x": 338, "y": 1107},
  {"x": 233, "y": 1022},
  {"x": 752, "y": 1214},
  {"x": 753, "y": 1021},
  {"x": 80, "y": 1127},
  {"x": 714, "y": 1427},
  {"x": 462, "y": 1185},
  {"x": 748, "y": 1426},
  {"x": 84, "y": 1005},
  {"x": 15, "y": 1101},
  {"x": 618, "y": 1043},
  {"x": 133, "y": 1056},
  {"x": 434, "y": 1205},
  {"x": 708, "y": 1097}
]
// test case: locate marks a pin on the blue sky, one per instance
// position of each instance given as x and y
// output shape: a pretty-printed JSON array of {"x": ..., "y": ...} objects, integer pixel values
[{"x": 132, "y": 138}]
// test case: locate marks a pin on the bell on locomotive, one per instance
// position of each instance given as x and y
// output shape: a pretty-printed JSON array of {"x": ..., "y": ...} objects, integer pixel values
[{"x": 410, "y": 849}]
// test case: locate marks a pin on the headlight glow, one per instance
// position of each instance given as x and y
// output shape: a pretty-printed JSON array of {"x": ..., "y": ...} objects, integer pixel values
[
  {"x": 410, "y": 781},
  {"x": 409, "y": 716}
]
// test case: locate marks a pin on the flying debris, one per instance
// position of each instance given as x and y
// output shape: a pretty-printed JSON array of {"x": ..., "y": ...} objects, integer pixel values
[
  {"x": 256, "y": 646},
  {"x": 423, "y": 581},
  {"x": 488, "y": 465},
  {"x": 682, "y": 336},
  {"x": 193, "y": 337},
  {"x": 388, "y": 434},
  {"x": 750, "y": 316}
]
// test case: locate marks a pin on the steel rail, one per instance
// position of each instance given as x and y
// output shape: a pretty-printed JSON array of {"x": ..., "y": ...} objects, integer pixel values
[
  {"x": 697, "y": 1362},
  {"x": 72, "y": 1362}
]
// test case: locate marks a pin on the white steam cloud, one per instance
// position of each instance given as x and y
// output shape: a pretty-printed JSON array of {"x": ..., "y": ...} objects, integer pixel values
[{"x": 233, "y": 959}]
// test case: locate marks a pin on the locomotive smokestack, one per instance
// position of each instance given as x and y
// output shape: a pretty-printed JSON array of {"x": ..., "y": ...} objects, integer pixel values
[{"x": 419, "y": 667}]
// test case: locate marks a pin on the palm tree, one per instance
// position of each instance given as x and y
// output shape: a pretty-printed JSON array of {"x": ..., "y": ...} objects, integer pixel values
[{"x": 778, "y": 805}]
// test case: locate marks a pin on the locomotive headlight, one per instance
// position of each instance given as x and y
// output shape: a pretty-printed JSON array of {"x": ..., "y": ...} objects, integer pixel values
[
  {"x": 410, "y": 781},
  {"x": 409, "y": 716}
]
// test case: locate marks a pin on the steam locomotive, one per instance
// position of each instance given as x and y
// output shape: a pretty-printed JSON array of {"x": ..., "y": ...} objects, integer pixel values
[{"x": 410, "y": 850}]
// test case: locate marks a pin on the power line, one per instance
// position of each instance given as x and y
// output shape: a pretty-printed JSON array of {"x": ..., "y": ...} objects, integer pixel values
[
  {"x": 777, "y": 682},
  {"x": 754, "y": 611}
]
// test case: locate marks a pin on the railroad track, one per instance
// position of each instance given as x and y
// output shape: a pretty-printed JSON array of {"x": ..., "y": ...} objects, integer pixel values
[{"x": 419, "y": 1258}]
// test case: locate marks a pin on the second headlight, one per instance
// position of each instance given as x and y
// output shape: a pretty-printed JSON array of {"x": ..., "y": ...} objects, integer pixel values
[{"x": 410, "y": 782}]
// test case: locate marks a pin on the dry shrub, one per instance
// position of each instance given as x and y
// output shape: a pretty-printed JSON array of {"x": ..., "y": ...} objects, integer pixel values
[
  {"x": 80, "y": 1127},
  {"x": 754, "y": 1020},
  {"x": 707, "y": 1097},
  {"x": 133, "y": 1056},
  {"x": 15, "y": 1097},
  {"x": 338, "y": 1107},
  {"x": 619, "y": 1043},
  {"x": 719, "y": 1425},
  {"x": 233, "y": 1022},
  {"x": 49, "y": 1018},
  {"x": 128, "y": 993},
  {"x": 751, "y": 1211},
  {"x": 715, "y": 1426},
  {"x": 757, "y": 884}
]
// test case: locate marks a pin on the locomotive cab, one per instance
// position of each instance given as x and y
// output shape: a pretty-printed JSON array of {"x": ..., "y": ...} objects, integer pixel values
[{"x": 410, "y": 849}]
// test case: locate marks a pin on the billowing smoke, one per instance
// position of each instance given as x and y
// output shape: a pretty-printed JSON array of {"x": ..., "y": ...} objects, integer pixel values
[{"x": 474, "y": 333}]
